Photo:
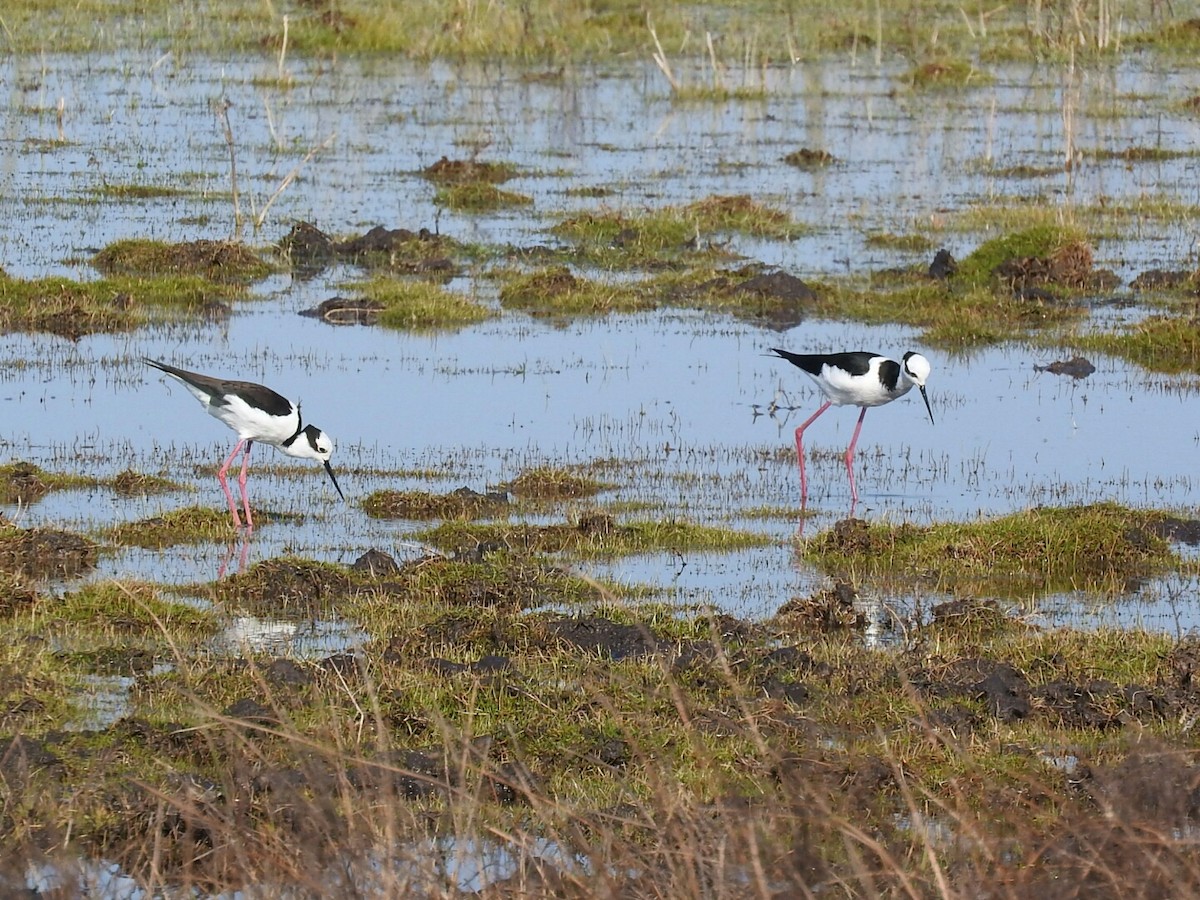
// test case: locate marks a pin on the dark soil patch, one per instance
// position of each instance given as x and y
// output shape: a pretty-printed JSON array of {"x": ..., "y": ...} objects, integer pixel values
[
  {"x": 23, "y": 758},
  {"x": 1094, "y": 704},
  {"x": 45, "y": 553},
  {"x": 943, "y": 266},
  {"x": 852, "y": 537},
  {"x": 779, "y": 286},
  {"x": 136, "y": 484},
  {"x": 1076, "y": 367},
  {"x": 398, "y": 249},
  {"x": 346, "y": 311},
  {"x": 609, "y": 639},
  {"x": 375, "y": 563},
  {"x": 1165, "y": 279},
  {"x": 481, "y": 583}
]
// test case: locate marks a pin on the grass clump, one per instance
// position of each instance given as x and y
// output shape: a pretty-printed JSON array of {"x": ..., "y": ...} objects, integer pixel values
[
  {"x": 673, "y": 233},
  {"x": 950, "y": 73},
  {"x": 119, "y": 303},
  {"x": 479, "y": 196},
  {"x": 469, "y": 171},
  {"x": 129, "y": 607},
  {"x": 44, "y": 552},
  {"x": 553, "y": 483},
  {"x": 953, "y": 316},
  {"x": 463, "y": 503},
  {"x": 422, "y": 306},
  {"x": 129, "y": 483},
  {"x": 914, "y": 243},
  {"x": 1161, "y": 343},
  {"x": 138, "y": 191},
  {"x": 287, "y": 587},
  {"x": 593, "y": 534},
  {"x": 1102, "y": 546},
  {"x": 24, "y": 482},
  {"x": 191, "y": 525},
  {"x": 219, "y": 261},
  {"x": 807, "y": 158},
  {"x": 556, "y": 290}
]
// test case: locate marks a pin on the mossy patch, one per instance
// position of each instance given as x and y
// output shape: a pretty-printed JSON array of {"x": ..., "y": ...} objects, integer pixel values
[
  {"x": 592, "y": 534},
  {"x": 463, "y": 503},
  {"x": 220, "y": 261},
  {"x": 120, "y": 303},
  {"x": 422, "y": 306},
  {"x": 17, "y": 594},
  {"x": 479, "y": 196},
  {"x": 912, "y": 243},
  {"x": 1098, "y": 547},
  {"x": 951, "y": 315},
  {"x": 474, "y": 582},
  {"x": 138, "y": 191},
  {"x": 190, "y": 525}
]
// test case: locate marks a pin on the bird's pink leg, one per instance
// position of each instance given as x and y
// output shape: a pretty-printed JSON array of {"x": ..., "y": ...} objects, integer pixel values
[
  {"x": 800, "y": 448},
  {"x": 242, "y": 485},
  {"x": 850, "y": 455},
  {"x": 237, "y": 523}
]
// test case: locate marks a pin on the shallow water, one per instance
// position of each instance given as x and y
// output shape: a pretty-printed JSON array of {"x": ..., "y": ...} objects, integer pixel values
[{"x": 676, "y": 397}]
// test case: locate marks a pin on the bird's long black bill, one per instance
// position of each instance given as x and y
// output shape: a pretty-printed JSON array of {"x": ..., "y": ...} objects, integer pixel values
[
  {"x": 329, "y": 469},
  {"x": 924, "y": 397}
]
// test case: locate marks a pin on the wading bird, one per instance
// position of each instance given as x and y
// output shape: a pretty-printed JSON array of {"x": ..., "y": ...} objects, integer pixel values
[
  {"x": 856, "y": 379},
  {"x": 256, "y": 413}
]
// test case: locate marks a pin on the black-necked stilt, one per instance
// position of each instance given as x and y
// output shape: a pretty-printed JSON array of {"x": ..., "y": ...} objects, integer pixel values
[
  {"x": 856, "y": 379},
  {"x": 256, "y": 413}
]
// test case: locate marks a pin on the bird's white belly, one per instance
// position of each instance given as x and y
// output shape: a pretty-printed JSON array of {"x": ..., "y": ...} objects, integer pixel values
[
  {"x": 253, "y": 424},
  {"x": 843, "y": 389}
]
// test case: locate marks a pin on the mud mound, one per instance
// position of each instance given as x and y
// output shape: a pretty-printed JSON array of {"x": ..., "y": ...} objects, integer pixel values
[
  {"x": 285, "y": 586},
  {"x": 45, "y": 553},
  {"x": 22, "y": 482},
  {"x": 463, "y": 503},
  {"x": 824, "y": 611},
  {"x": 462, "y": 171}
]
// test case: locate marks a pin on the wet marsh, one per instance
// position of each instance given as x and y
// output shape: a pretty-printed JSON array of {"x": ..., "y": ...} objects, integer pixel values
[{"x": 571, "y": 598}]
